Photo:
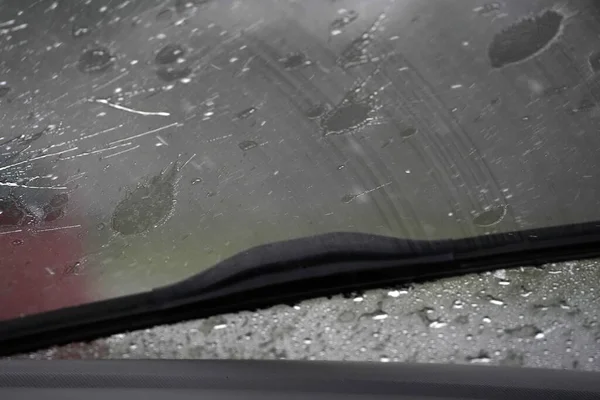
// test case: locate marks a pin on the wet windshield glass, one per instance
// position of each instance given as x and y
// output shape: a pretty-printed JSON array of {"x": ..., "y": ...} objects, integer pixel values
[{"x": 145, "y": 141}]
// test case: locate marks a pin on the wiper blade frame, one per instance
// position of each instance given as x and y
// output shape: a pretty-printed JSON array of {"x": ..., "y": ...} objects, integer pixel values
[{"x": 295, "y": 270}]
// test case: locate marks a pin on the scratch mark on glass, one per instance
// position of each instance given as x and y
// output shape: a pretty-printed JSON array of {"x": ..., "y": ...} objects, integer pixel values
[
  {"x": 59, "y": 228},
  {"x": 139, "y": 135},
  {"x": 37, "y": 158},
  {"x": 122, "y": 152},
  {"x": 17, "y": 185},
  {"x": 351, "y": 197},
  {"x": 131, "y": 110}
]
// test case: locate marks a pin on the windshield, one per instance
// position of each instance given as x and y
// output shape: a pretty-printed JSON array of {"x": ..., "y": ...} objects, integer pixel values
[{"x": 142, "y": 142}]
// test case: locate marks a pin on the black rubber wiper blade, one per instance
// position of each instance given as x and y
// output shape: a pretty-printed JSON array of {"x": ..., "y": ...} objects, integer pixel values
[{"x": 295, "y": 270}]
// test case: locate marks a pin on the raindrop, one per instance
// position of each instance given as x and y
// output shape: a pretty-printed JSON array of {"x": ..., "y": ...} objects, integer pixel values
[
  {"x": 458, "y": 304},
  {"x": 540, "y": 335},
  {"x": 196, "y": 181},
  {"x": 147, "y": 205},
  {"x": 245, "y": 113},
  {"x": 348, "y": 116},
  {"x": 59, "y": 200},
  {"x": 247, "y": 145},
  {"x": 169, "y": 54},
  {"x": 384, "y": 359},
  {"x": 348, "y": 198},
  {"x": 346, "y": 18},
  {"x": 97, "y": 59},
  {"x": 488, "y": 9},
  {"x": 356, "y": 52},
  {"x": 487, "y": 320},
  {"x": 294, "y": 60},
  {"x": 525, "y": 331},
  {"x": 4, "y": 90},
  {"x": 482, "y": 358},
  {"x": 346, "y": 316},
  {"x": 495, "y": 301},
  {"x": 164, "y": 15},
  {"x": 219, "y": 327},
  {"x": 12, "y": 212},
  {"x": 408, "y": 132},
  {"x": 594, "y": 61},
  {"x": 437, "y": 324},
  {"x": 51, "y": 214},
  {"x": 100, "y": 226},
  {"x": 315, "y": 111},
  {"x": 170, "y": 74},
  {"x": 512, "y": 359},
  {"x": 499, "y": 273},
  {"x": 490, "y": 217},
  {"x": 17, "y": 242},
  {"x": 78, "y": 31},
  {"x": 380, "y": 316},
  {"x": 524, "y": 39}
]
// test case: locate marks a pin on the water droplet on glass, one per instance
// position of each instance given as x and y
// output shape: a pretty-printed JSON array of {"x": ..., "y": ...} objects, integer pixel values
[
  {"x": 356, "y": 52},
  {"x": 247, "y": 145},
  {"x": 293, "y": 60},
  {"x": 51, "y": 214},
  {"x": 245, "y": 113},
  {"x": 437, "y": 324},
  {"x": 482, "y": 358},
  {"x": 524, "y": 39},
  {"x": 97, "y": 59},
  {"x": 315, "y": 111},
  {"x": 524, "y": 331},
  {"x": 169, "y": 54},
  {"x": 380, "y": 316},
  {"x": 347, "y": 17},
  {"x": 59, "y": 200},
  {"x": 488, "y": 9},
  {"x": 164, "y": 15},
  {"x": 348, "y": 198},
  {"x": 346, "y": 117},
  {"x": 346, "y": 316},
  {"x": 495, "y": 301},
  {"x": 490, "y": 217},
  {"x": 458, "y": 304},
  {"x": 78, "y": 31},
  {"x": 170, "y": 74},
  {"x": 540, "y": 335},
  {"x": 149, "y": 204},
  {"x": 408, "y": 132},
  {"x": 4, "y": 90}
]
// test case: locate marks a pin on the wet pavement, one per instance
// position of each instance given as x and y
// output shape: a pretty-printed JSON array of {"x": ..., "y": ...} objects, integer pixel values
[{"x": 176, "y": 133}]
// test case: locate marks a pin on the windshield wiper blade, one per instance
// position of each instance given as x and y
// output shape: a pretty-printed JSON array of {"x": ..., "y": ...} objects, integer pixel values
[{"x": 295, "y": 270}]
